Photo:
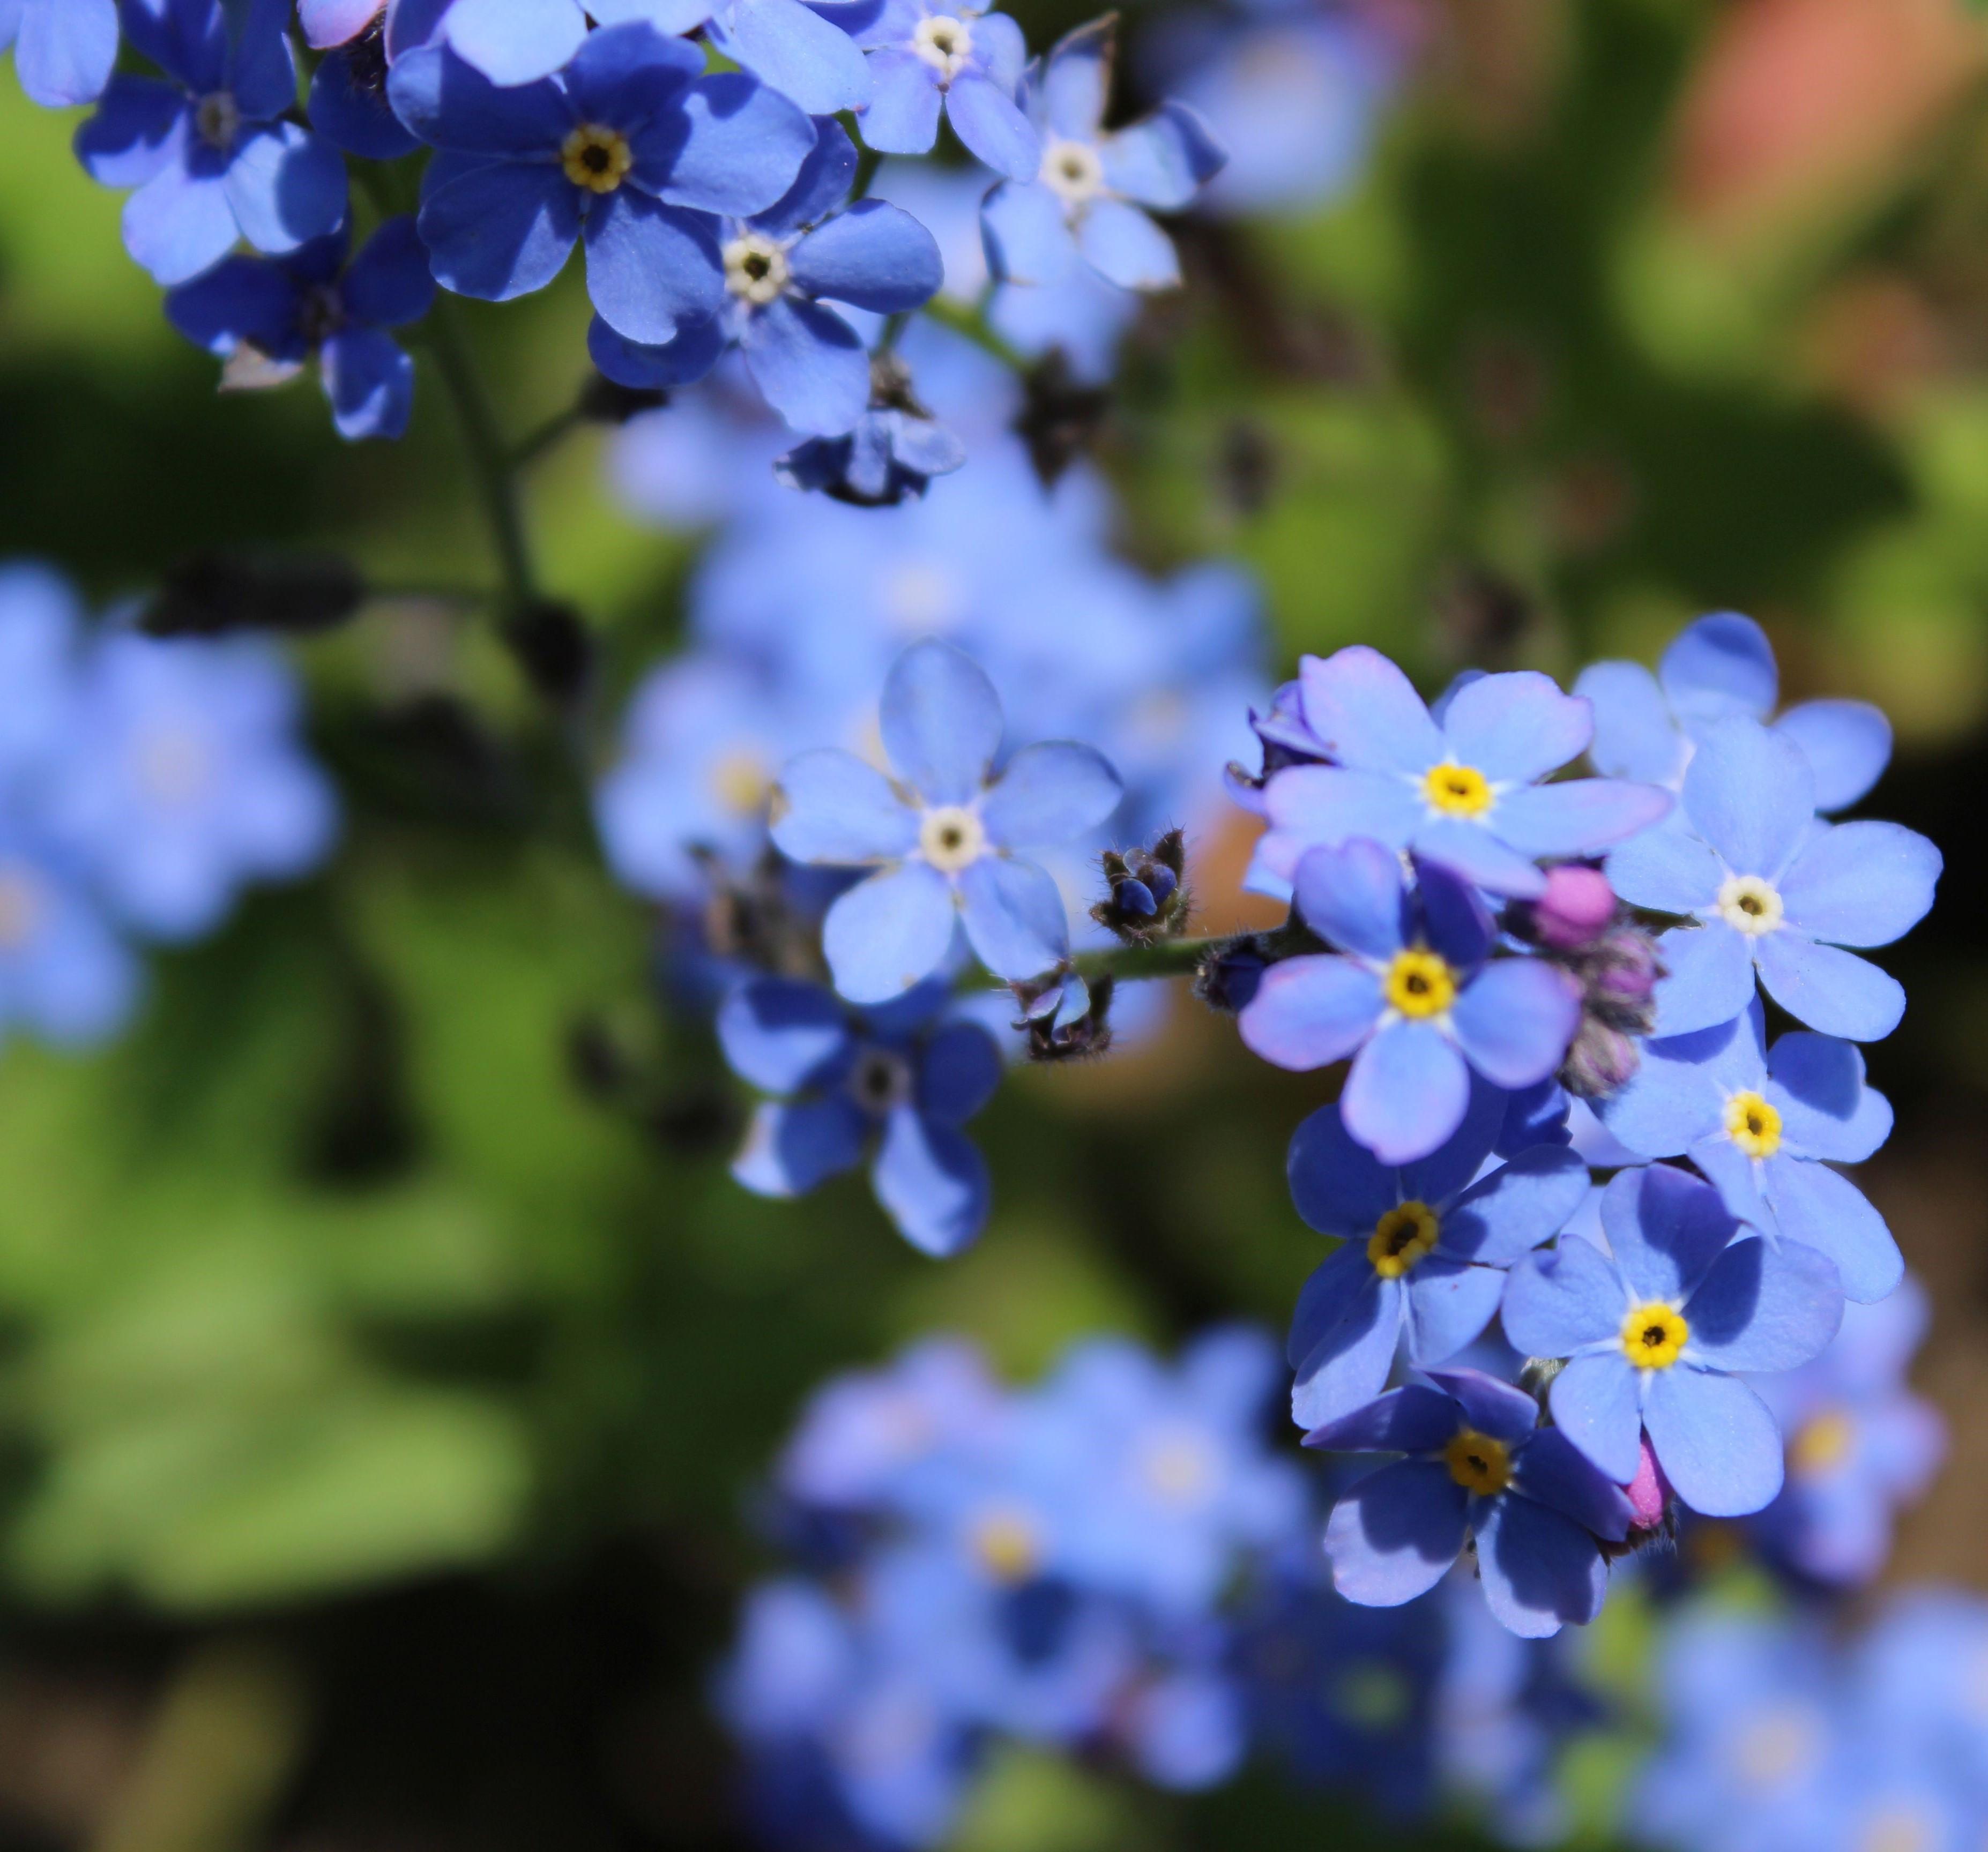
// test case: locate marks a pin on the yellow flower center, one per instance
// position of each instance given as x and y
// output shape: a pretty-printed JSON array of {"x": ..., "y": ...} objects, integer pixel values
[
  {"x": 1652, "y": 1336},
  {"x": 951, "y": 837},
  {"x": 1749, "y": 905},
  {"x": 596, "y": 158},
  {"x": 1478, "y": 1463},
  {"x": 1005, "y": 1543},
  {"x": 1753, "y": 1125},
  {"x": 1821, "y": 1444},
  {"x": 1179, "y": 1468},
  {"x": 1401, "y": 1238},
  {"x": 1420, "y": 984},
  {"x": 739, "y": 781},
  {"x": 1456, "y": 790}
]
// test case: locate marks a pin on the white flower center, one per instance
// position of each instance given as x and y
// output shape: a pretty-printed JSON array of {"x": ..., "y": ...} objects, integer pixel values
[
  {"x": 755, "y": 268},
  {"x": 951, "y": 837},
  {"x": 1747, "y": 904},
  {"x": 880, "y": 1081},
  {"x": 20, "y": 908},
  {"x": 1178, "y": 1468},
  {"x": 944, "y": 42},
  {"x": 217, "y": 120},
  {"x": 1073, "y": 171}
]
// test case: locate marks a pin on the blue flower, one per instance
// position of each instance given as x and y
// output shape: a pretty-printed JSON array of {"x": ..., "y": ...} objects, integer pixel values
[
  {"x": 1413, "y": 997},
  {"x": 1765, "y": 1129},
  {"x": 1652, "y": 1331},
  {"x": 629, "y": 147},
  {"x": 1860, "y": 1444},
  {"x": 1465, "y": 793},
  {"x": 64, "y": 50},
  {"x": 207, "y": 147},
  {"x": 65, "y": 975},
  {"x": 1082, "y": 203},
  {"x": 891, "y": 453},
  {"x": 1480, "y": 1469},
  {"x": 945, "y": 833},
  {"x": 1426, "y": 1247},
  {"x": 313, "y": 305},
  {"x": 905, "y": 1078},
  {"x": 1723, "y": 667},
  {"x": 928, "y": 54},
  {"x": 808, "y": 362},
  {"x": 1772, "y": 890},
  {"x": 182, "y": 779},
  {"x": 41, "y": 627}
]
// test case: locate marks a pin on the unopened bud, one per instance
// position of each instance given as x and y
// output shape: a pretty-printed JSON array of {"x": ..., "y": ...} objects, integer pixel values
[
  {"x": 1575, "y": 908},
  {"x": 1601, "y": 1061},
  {"x": 1622, "y": 969}
]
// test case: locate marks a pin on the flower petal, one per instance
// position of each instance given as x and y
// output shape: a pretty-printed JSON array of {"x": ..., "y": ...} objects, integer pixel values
[
  {"x": 1517, "y": 727},
  {"x": 832, "y": 807},
  {"x": 1835, "y": 992},
  {"x": 991, "y": 128},
  {"x": 873, "y": 256},
  {"x": 1469, "y": 849},
  {"x": 1763, "y": 1308},
  {"x": 1514, "y": 1020},
  {"x": 1716, "y": 1442},
  {"x": 886, "y": 933},
  {"x": 941, "y": 722},
  {"x": 1406, "y": 1092},
  {"x": 799, "y": 54},
  {"x": 1862, "y": 884},
  {"x": 1847, "y": 743},
  {"x": 1709, "y": 978},
  {"x": 1449, "y": 1303},
  {"x": 1813, "y": 1205},
  {"x": 1666, "y": 868},
  {"x": 932, "y": 1183},
  {"x": 1311, "y": 806},
  {"x": 501, "y": 230},
  {"x": 177, "y": 225},
  {"x": 958, "y": 1070},
  {"x": 1594, "y": 1401},
  {"x": 1028, "y": 239},
  {"x": 1720, "y": 666},
  {"x": 1410, "y": 1420},
  {"x": 790, "y": 1149},
  {"x": 1665, "y": 1229},
  {"x": 1750, "y": 794},
  {"x": 1353, "y": 1339},
  {"x": 1366, "y": 712},
  {"x": 1539, "y": 1569},
  {"x": 1049, "y": 792},
  {"x": 1635, "y": 734},
  {"x": 1578, "y": 816},
  {"x": 1394, "y": 1535},
  {"x": 1676, "y": 1096},
  {"x": 1164, "y": 160},
  {"x": 370, "y": 382},
  {"x": 783, "y": 1034},
  {"x": 809, "y": 365},
  {"x": 1337, "y": 1185},
  {"x": 1502, "y": 1217},
  {"x": 1352, "y": 897},
  {"x": 1556, "y": 1473},
  {"x": 1014, "y": 917},
  {"x": 901, "y": 116},
  {"x": 745, "y": 142},
  {"x": 515, "y": 42},
  {"x": 1125, "y": 247},
  {"x": 1826, "y": 1110},
  {"x": 1557, "y": 1303}
]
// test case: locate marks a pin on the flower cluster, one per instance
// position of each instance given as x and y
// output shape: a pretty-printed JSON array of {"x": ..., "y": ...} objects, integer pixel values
[{"x": 142, "y": 784}]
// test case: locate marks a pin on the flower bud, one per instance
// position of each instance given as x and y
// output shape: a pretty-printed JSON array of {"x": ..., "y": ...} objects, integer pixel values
[
  {"x": 1601, "y": 1061},
  {"x": 1574, "y": 910},
  {"x": 1148, "y": 899}
]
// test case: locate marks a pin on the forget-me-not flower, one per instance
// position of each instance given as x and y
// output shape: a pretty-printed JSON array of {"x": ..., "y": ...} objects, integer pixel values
[
  {"x": 313, "y": 305},
  {"x": 64, "y": 50},
  {"x": 1765, "y": 1127},
  {"x": 1426, "y": 1249},
  {"x": 1479, "y": 1467},
  {"x": 944, "y": 832},
  {"x": 811, "y": 365},
  {"x": 903, "y": 1078},
  {"x": 1652, "y": 1331},
  {"x": 1085, "y": 203},
  {"x": 927, "y": 54},
  {"x": 894, "y": 452},
  {"x": 629, "y": 147},
  {"x": 65, "y": 975},
  {"x": 1413, "y": 995},
  {"x": 1773, "y": 891},
  {"x": 206, "y": 146},
  {"x": 1465, "y": 793}
]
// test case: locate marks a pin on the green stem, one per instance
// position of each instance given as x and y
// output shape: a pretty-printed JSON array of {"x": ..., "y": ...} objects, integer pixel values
[
  {"x": 536, "y": 443},
  {"x": 972, "y": 323},
  {"x": 1169, "y": 958}
]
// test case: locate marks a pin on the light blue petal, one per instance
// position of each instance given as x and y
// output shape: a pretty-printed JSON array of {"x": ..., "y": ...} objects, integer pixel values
[
  {"x": 790, "y": 1149},
  {"x": 833, "y": 808},
  {"x": 1353, "y": 898},
  {"x": 286, "y": 186},
  {"x": 1847, "y": 743},
  {"x": 993, "y": 130},
  {"x": 67, "y": 50},
  {"x": 1516, "y": 726},
  {"x": 515, "y": 42},
  {"x": 1014, "y": 917},
  {"x": 873, "y": 255},
  {"x": 1337, "y": 1185},
  {"x": 1578, "y": 816},
  {"x": 822, "y": 185},
  {"x": 1635, "y": 735},
  {"x": 1813, "y": 1205},
  {"x": 1469, "y": 849},
  {"x": 138, "y": 130},
  {"x": 1351, "y": 1353},
  {"x": 799, "y": 54},
  {"x": 1557, "y": 1303},
  {"x": 1514, "y": 1020},
  {"x": 1049, "y": 792},
  {"x": 1553, "y": 1472},
  {"x": 745, "y": 142},
  {"x": 500, "y": 231},
  {"x": 932, "y": 1183},
  {"x": 901, "y": 116},
  {"x": 1366, "y": 712},
  {"x": 1164, "y": 161},
  {"x": 1449, "y": 1304},
  {"x": 1709, "y": 980},
  {"x": 1594, "y": 1401},
  {"x": 1835, "y": 992},
  {"x": 888, "y": 932},
  {"x": 1677, "y": 1095},
  {"x": 1406, "y": 1093},
  {"x": 1029, "y": 240},
  {"x": 1764, "y": 1308},
  {"x": 1411, "y": 1420},
  {"x": 1000, "y": 51},
  {"x": 1826, "y": 1110},
  {"x": 1862, "y": 884},
  {"x": 941, "y": 722},
  {"x": 176, "y": 226},
  {"x": 1715, "y": 1440},
  {"x": 1075, "y": 83},
  {"x": 1667, "y": 869},
  {"x": 666, "y": 16},
  {"x": 1125, "y": 247},
  {"x": 1308, "y": 1012},
  {"x": 1324, "y": 805},
  {"x": 1721, "y": 665},
  {"x": 783, "y": 1034},
  {"x": 808, "y": 364},
  {"x": 1539, "y": 1570},
  {"x": 1665, "y": 1229},
  {"x": 1503, "y": 1218},
  {"x": 1394, "y": 1535},
  {"x": 1750, "y": 794},
  {"x": 958, "y": 1071}
]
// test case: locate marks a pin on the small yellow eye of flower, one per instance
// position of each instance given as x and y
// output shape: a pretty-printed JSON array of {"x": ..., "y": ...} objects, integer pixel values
[
  {"x": 739, "y": 781},
  {"x": 1753, "y": 1125},
  {"x": 951, "y": 837},
  {"x": 596, "y": 158},
  {"x": 1653, "y": 1335},
  {"x": 1478, "y": 1463},
  {"x": 1749, "y": 905},
  {"x": 1401, "y": 1238},
  {"x": 1821, "y": 1444},
  {"x": 1456, "y": 790},
  {"x": 1005, "y": 1543},
  {"x": 1420, "y": 984}
]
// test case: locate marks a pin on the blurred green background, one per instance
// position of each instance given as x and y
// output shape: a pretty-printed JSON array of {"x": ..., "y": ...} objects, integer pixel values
[{"x": 386, "y": 1360}]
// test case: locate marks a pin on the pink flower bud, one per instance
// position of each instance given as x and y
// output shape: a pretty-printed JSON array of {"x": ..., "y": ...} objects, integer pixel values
[
  {"x": 1647, "y": 1493},
  {"x": 1577, "y": 904}
]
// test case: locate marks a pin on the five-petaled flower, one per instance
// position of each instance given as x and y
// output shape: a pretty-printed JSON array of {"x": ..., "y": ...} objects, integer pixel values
[
  {"x": 943, "y": 833},
  {"x": 927, "y": 54}
]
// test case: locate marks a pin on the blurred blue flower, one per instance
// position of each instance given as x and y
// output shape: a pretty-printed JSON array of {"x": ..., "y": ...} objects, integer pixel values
[
  {"x": 64, "y": 50},
  {"x": 1426, "y": 1247},
  {"x": 1465, "y": 792},
  {"x": 1652, "y": 1329},
  {"x": 41, "y": 646},
  {"x": 945, "y": 834},
  {"x": 279, "y": 313},
  {"x": 1771, "y": 890},
  {"x": 1765, "y": 1127},
  {"x": 905, "y": 1078},
  {"x": 207, "y": 146},
  {"x": 629, "y": 147},
  {"x": 65, "y": 975},
  {"x": 1480, "y": 1470},
  {"x": 1083, "y": 203},
  {"x": 928, "y": 54},
  {"x": 1414, "y": 997},
  {"x": 891, "y": 453}
]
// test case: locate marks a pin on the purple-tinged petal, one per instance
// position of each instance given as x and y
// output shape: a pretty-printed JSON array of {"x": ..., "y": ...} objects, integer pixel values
[
  {"x": 1835, "y": 992},
  {"x": 1125, "y": 247},
  {"x": 1539, "y": 1570},
  {"x": 874, "y": 256},
  {"x": 1862, "y": 884},
  {"x": 1354, "y": 1338},
  {"x": 901, "y": 116},
  {"x": 1826, "y": 1110},
  {"x": 1395, "y": 1535},
  {"x": 1459, "y": 924},
  {"x": 790, "y": 1149},
  {"x": 1049, "y": 792},
  {"x": 1847, "y": 743},
  {"x": 1750, "y": 794},
  {"x": 1720, "y": 666},
  {"x": 1665, "y": 1229},
  {"x": 886, "y": 933},
  {"x": 1560, "y": 1303},
  {"x": 1555, "y": 1472},
  {"x": 958, "y": 1070},
  {"x": 1352, "y": 897},
  {"x": 1469, "y": 849},
  {"x": 1406, "y": 1092},
  {"x": 1513, "y": 1021},
  {"x": 501, "y": 231},
  {"x": 1764, "y": 1308},
  {"x": 783, "y": 1034},
  {"x": 1516, "y": 728},
  {"x": 1814, "y": 1206},
  {"x": 1578, "y": 816},
  {"x": 1502, "y": 1217},
  {"x": 941, "y": 722},
  {"x": 1014, "y": 917},
  {"x": 1449, "y": 1303},
  {"x": 932, "y": 1183},
  {"x": 1667, "y": 869},
  {"x": 993, "y": 130},
  {"x": 1308, "y": 1012},
  {"x": 1714, "y": 1439},
  {"x": 832, "y": 807},
  {"x": 1311, "y": 806},
  {"x": 1409, "y": 1420},
  {"x": 1366, "y": 712},
  {"x": 1709, "y": 978},
  {"x": 1500, "y": 1409},
  {"x": 1595, "y": 1402},
  {"x": 1635, "y": 736}
]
